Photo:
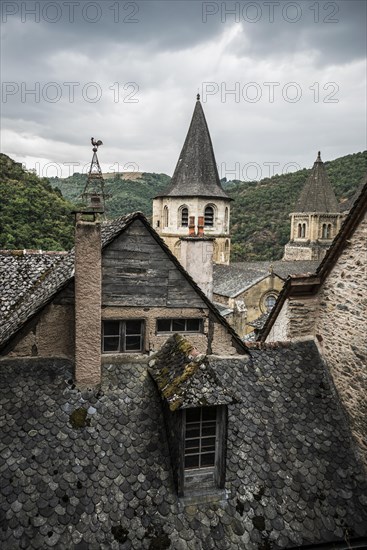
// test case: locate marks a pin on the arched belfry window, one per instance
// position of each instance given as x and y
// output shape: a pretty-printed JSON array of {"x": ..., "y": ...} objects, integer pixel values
[
  {"x": 183, "y": 216},
  {"x": 301, "y": 232},
  {"x": 209, "y": 216},
  {"x": 165, "y": 216},
  {"x": 326, "y": 230}
]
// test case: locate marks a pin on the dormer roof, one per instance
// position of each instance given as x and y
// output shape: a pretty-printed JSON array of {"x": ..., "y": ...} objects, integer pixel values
[{"x": 196, "y": 171}]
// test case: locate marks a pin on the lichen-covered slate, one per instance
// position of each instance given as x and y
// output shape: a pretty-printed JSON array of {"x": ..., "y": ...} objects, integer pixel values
[
  {"x": 185, "y": 378},
  {"x": 104, "y": 481}
]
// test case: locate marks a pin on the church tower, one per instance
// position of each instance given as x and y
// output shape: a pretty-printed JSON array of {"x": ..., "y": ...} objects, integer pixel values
[
  {"x": 317, "y": 218},
  {"x": 195, "y": 194}
]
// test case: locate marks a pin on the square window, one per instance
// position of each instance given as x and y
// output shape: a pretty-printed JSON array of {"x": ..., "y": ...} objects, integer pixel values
[
  {"x": 123, "y": 336},
  {"x": 164, "y": 325}
]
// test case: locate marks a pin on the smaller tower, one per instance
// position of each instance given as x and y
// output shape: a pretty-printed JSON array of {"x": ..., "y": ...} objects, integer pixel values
[{"x": 316, "y": 219}]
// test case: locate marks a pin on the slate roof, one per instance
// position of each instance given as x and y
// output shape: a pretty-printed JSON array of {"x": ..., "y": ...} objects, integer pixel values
[
  {"x": 196, "y": 171},
  {"x": 44, "y": 286},
  {"x": 292, "y": 477},
  {"x": 231, "y": 280},
  {"x": 19, "y": 270},
  {"x": 185, "y": 378},
  {"x": 317, "y": 194}
]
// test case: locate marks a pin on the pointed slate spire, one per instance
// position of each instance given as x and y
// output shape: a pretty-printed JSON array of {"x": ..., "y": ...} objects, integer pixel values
[
  {"x": 317, "y": 194},
  {"x": 196, "y": 172}
]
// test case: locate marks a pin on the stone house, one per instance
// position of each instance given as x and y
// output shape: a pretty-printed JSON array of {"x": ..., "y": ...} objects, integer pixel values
[{"x": 330, "y": 308}]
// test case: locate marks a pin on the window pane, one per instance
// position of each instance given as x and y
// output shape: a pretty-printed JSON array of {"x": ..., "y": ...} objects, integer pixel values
[
  {"x": 133, "y": 343},
  {"x": 111, "y": 328},
  {"x": 192, "y": 461},
  {"x": 133, "y": 327},
  {"x": 111, "y": 343},
  {"x": 178, "y": 325},
  {"x": 192, "y": 415},
  {"x": 208, "y": 459},
  {"x": 193, "y": 325},
  {"x": 192, "y": 446},
  {"x": 209, "y": 413},
  {"x": 164, "y": 325}
]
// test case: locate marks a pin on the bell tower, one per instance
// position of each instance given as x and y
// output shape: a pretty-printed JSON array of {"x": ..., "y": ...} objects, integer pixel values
[
  {"x": 195, "y": 192},
  {"x": 316, "y": 219}
]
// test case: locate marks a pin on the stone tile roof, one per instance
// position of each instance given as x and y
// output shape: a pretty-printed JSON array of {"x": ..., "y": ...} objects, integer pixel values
[
  {"x": 231, "y": 280},
  {"x": 196, "y": 171},
  {"x": 46, "y": 284},
  {"x": 185, "y": 378},
  {"x": 92, "y": 470},
  {"x": 19, "y": 270},
  {"x": 317, "y": 194}
]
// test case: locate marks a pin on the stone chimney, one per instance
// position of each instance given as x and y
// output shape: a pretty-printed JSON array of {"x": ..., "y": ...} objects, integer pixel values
[
  {"x": 197, "y": 256},
  {"x": 88, "y": 292}
]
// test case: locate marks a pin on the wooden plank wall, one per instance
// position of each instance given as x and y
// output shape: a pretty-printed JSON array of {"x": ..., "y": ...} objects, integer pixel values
[{"x": 136, "y": 271}]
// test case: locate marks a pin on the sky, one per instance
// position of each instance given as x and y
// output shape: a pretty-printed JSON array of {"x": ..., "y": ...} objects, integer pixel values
[{"x": 279, "y": 80}]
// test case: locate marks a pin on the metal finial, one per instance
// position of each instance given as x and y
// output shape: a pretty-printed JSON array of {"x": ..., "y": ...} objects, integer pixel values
[
  {"x": 95, "y": 144},
  {"x": 198, "y": 97},
  {"x": 319, "y": 155}
]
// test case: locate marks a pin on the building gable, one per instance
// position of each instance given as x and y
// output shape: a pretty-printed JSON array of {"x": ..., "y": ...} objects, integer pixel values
[{"x": 136, "y": 271}]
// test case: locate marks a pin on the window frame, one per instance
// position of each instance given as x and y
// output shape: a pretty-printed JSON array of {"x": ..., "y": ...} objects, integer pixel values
[
  {"x": 122, "y": 335},
  {"x": 185, "y": 319},
  {"x": 218, "y": 470}
]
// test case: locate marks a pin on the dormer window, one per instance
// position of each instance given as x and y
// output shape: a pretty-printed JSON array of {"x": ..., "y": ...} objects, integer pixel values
[{"x": 204, "y": 430}]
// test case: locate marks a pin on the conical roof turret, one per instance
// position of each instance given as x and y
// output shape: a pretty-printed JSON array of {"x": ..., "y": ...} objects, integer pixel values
[
  {"x": 317, "y": 194},
  {"x": 196, "y": 171}
]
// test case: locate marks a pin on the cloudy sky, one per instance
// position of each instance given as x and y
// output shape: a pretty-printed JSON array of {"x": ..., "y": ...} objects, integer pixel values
[{"x": 278, "y": 80}]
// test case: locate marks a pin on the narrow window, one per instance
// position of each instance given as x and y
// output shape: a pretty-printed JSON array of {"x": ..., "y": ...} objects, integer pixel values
[
  {"x": 328, "y": 231},
  {"x": 123, "y": 336},
  {"x": 179, "y": 325},
  {"x": 184, "y": 218},
  {"x": 226, "y": 220},
  {"x": 226, "y": 251},
  {"x": 177, "y": 250},
  {"x": 299, "y": 230},
  {"x": 303, "y": 235},
  {"x": 165, "y": 216},
  {"x": 209, "y": 216}
]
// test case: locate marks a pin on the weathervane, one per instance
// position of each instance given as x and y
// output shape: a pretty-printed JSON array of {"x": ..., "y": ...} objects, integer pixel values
[{"x": 94, "y": 191}]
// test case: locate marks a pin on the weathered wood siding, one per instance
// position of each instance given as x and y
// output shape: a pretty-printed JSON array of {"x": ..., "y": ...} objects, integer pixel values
[{"x": 137, "y": 272}]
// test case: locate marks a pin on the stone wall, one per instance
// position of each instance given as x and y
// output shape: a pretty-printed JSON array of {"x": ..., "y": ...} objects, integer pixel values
[
  {"x": 51, "y": 334},
  {"x": 341, "y": 327}
]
